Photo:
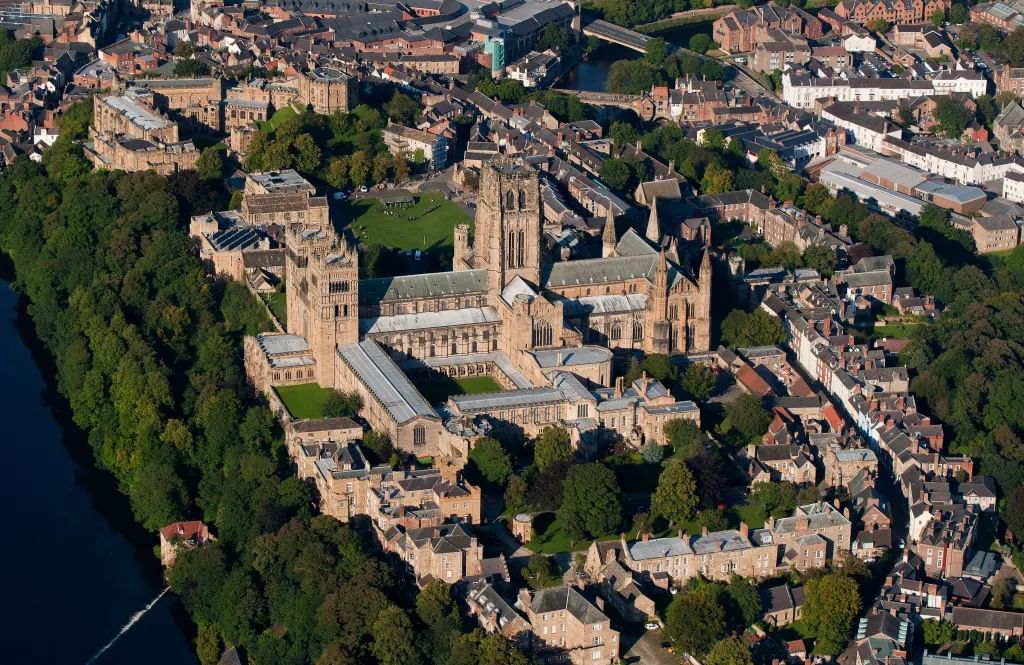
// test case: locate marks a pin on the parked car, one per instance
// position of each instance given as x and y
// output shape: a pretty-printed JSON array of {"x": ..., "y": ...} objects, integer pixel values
[{"x": 650, "y": 625}]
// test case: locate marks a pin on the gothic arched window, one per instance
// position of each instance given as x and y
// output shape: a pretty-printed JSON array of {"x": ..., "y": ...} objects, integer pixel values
[
  {"x": 510, "y": 201},
  {"x": 615, "y": 332},
  {"x": 638, "y": 331},
  {"x": 522, "y": 199}
]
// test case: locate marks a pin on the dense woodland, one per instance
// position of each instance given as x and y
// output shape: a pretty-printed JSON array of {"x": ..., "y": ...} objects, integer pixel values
[{"x": 148, "y": 355}]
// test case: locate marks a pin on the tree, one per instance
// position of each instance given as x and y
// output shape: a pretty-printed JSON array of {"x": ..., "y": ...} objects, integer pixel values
[
  {"x": 716, "y": 180},
  {"x": 437, "y": 609},
  {"x": 774, "y": 499},
  {"x": 694, "y": 622},
  {"x": 651, "y": 453},
  {"x": 957, "y": 14},
  {"x": 832, "y": 603},
  {"x": 401, "y": 168},
  {"x": 699, "y": 381},
  {"x": 740, "y": 329},
  {"x": 542, "y": 572},
  {"x": 952, "y": 116},
  {"x": 391, "y": 643},
  {"x": 359, "y": 168},
  {"x": 675, "y": 498},
  {"x": 591, "y": 506},
  {"x": 623, "y": 133},
  {"x": 745, "y": 599},
  {"x": 684, "y": 437},
  {"x": 515, "y": 493},
  {"x": 551, "y": 446},
  {"x": 821, "y": 258},
  {"x": 381, "y": 166},
  {"x": 937, "y": 634},
  {"x": 707, "y": 470},
  {"x": 191, "y": 68},
  {"x": 402, "y": 108},
  {"x": 700, "y": 43},
  {"x": 729, "y": 651},
  {"x": 210, "y": 165},
  {"x": 616, "y": 174},
  {"x": 748, "y": 416},
  {"x": 656, "y": 51},
  {"x": 1013, "y": 513},
  {"x": 553, "y": 36},
  {"x": 378, "y": 444},
  {"x": 491, "y": 460},
  {"x": 937, "y": 18},
  {"x": 340, "y": 404}
]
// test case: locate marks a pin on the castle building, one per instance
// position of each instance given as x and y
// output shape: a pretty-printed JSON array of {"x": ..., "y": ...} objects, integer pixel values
[
  {"x": 129, "y": 133},
  {"x": 540, "y": 327}
]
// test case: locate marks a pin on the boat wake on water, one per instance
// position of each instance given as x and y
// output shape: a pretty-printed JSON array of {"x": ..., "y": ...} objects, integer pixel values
[{"x": 127, "y": 626}]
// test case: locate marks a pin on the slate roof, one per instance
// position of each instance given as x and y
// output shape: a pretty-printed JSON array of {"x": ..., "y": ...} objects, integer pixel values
[
  {"x": 568, "y": 599},
  {"x": 428, "y": 285}
]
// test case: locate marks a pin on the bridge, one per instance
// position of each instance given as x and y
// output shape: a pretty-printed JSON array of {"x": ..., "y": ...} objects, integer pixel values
[
  {"x": 604, "y": 98},
  {"x": 616, "y": 34}
]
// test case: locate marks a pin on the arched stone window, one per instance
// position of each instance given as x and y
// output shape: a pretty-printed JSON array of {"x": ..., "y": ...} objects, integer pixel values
[
  {"x": 638, "y": 331},
  {"x": 455, "y": 348},
  {"x": 419, "y": 435},
  {"x": 522, "y": 199},
  {"x": 510, "y": 201},
  {"x": 615, "y": 332}
]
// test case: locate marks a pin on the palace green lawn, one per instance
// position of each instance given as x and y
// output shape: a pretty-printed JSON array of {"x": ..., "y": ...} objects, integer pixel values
[{"x": 427, "y": 225}]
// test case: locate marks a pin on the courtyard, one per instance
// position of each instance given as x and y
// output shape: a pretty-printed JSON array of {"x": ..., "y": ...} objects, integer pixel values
[
  {"x": 305, "y": 400},
  {"x": 438, "y": 390},
  {"x": 427, "y": 224}
]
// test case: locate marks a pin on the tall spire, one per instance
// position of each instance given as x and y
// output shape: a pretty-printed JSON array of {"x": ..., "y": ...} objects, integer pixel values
[
  {"x": 704, "y": 276},
  {"x": 653, "y": 227},
  {"x": 608, "y": 238}
]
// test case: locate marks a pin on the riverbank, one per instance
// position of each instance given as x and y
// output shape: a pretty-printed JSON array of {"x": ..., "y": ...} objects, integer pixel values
[
  {"x": 708, "y": 16},
  {"x": 75, "y": 557}
]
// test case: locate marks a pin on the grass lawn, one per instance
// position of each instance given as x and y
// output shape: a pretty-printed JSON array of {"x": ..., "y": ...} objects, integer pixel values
[
  {"x": 280, "y": 115},
  {"x": 797, "y": 630},
  {"x": 550, "y": 538},
  {"x": 427, "y": 225},
  {"x": 277, "y": 302},
  {"x": 305, "y": 400},
  {"x": 749, "y": 514},
  {"x": 439, "y": 390}
]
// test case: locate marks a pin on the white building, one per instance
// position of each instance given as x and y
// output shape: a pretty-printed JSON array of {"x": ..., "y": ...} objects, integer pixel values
[
  {"x": 802, "y": 91},
  {"x": 855, "y": 43}
]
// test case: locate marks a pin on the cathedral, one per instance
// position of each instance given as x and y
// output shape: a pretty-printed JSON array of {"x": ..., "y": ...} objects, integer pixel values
[{"x": 540, "y": 327}]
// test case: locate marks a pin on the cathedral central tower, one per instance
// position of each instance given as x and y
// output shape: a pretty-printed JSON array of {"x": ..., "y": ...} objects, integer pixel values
[{"x": 507, "y": 241}]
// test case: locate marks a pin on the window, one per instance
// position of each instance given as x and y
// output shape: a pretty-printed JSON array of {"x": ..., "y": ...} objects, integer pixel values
[
  {"x": 542, "y": 334},
  {"x": 615, "y": 332},
  {"x": 338, "y": 287},
  {"x": 510, "y": 201},
  {"x": 638, "y": 331},
  {"x": 419, "y": 436}
]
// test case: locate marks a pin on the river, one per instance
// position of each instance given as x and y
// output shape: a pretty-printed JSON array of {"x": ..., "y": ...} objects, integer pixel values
[
  {"x": 591, "y": 74},
  {"x": 74, "y": 567}
]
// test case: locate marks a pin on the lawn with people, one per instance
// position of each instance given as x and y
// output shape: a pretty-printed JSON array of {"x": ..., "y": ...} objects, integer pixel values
[{"x": 427, "y": 224}]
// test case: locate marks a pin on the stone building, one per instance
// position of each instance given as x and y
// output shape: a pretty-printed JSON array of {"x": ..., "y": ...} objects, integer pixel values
[
  {"x": 129, "y": 133},
  {"x": 814, "y": 535},
  {"x": 540, "y": 327},
  {"x": 327, "y": 90},
  {"x": 566, "y": 627}
]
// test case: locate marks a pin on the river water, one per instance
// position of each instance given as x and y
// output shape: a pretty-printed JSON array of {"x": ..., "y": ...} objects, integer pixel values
[
  {"x": 74, "y": 566},
  {"x": 591, "y": 74}
]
